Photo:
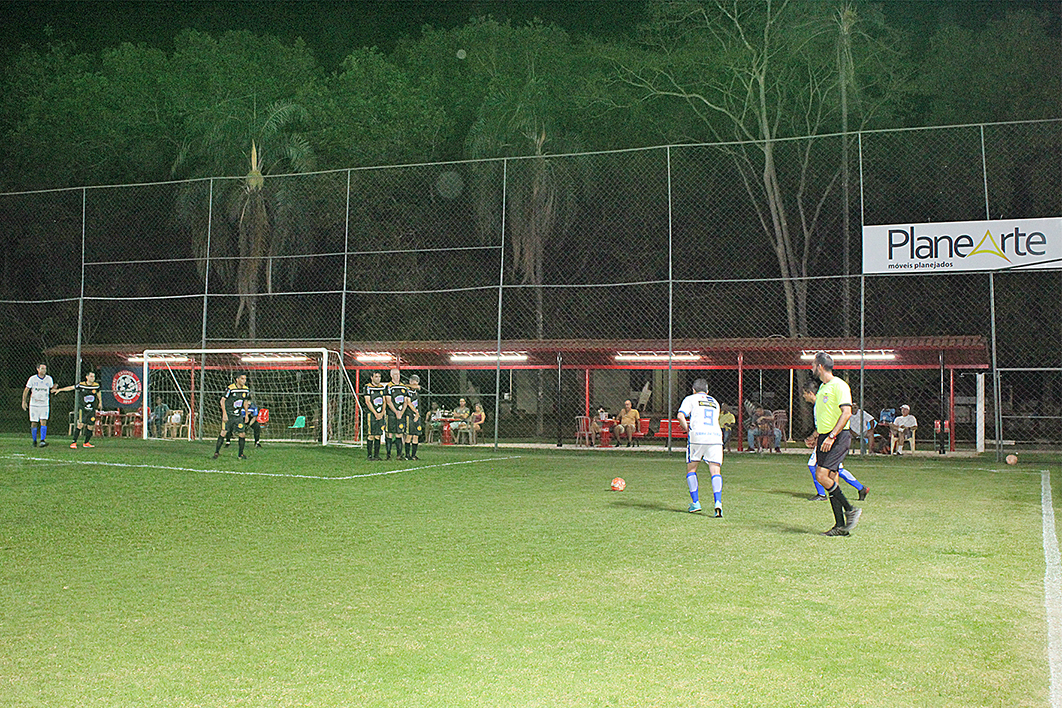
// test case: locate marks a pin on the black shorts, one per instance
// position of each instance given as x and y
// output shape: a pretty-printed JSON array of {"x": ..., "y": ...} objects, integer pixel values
[
  {"x": 235, "y": 425},
  {"x": 414, "y": 427},
  {"x": 832, "y": 460},
  {"x": 85, "y": 417},
  {"x": 396, "y": 426},
  {"x": 374, "y": 426}
]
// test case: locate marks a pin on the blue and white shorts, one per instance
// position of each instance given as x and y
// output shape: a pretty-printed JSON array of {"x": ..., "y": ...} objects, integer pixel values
[{"x": 708, "y": 452}]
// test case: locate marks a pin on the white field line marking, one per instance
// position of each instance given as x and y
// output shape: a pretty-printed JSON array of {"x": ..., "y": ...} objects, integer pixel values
[
  {"x": 257, "y": 474},
  {"x": 1052, "y": 590}
]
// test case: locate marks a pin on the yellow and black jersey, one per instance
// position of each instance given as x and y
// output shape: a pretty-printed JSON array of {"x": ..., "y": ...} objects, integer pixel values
[
  {"x": 236, "y": 397},
  {"x": 87, "y": 396},
  {"x": 374, "y": 397},
  {"x": 412, "y": 401},
  {"x": 397, "y": 392}
]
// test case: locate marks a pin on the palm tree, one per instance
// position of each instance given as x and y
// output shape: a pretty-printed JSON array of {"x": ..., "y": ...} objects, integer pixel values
[
  {"x": 520, "y": 118},
  {"x": 259, "y": 222}
]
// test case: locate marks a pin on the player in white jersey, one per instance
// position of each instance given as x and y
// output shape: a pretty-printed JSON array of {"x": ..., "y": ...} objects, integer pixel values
[
  {"x": 699, "y": 417},
  {"x": 36, "y": 398}
]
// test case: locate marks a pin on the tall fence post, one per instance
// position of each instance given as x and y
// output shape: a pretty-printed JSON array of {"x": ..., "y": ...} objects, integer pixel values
[
  {"x": 996, "y": 392},
  {"x": 670, "y": 306},
  {"x": 81, "y": 297},
  {"x": 997, "y": 398},
  {"x": 343, "y": 317},
  {"x": 863, "y": 441},
  {"x": 501, "y": 287},
  {"x": 206, "y": 292}
]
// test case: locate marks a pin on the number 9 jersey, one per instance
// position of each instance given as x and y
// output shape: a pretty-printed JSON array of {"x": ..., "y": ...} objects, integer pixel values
[{"x": 702, "y": 414}]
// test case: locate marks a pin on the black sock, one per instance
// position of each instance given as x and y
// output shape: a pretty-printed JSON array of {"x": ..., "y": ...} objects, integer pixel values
[
  {"x": 839, "y": 503},
  {"x": 414, "y": 448},
  {"x": 845, "y": 504},
  {"x": 390, "y": 442},
  {"x": 399, "y": 447},
  {"x": 77, "y": 434},
  {"x": 221, "y": 441},
  {"x": 368, "y": 448},
  {"x": 243, "y": 441},
  {"x": 376, "y": 447},
  {"x": 88, "y": 435}
]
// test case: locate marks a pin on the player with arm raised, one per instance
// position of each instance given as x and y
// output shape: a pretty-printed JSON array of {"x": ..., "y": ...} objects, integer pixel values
[
  {"x": 395, "y": 401},
  {"x": 699, "y": 417},
  {"x": 86, "y": 407},
  {"x": 234, "y": 413}
]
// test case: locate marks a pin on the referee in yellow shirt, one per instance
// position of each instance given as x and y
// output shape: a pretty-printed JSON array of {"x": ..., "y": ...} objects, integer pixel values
[{"x": 833, "y": 408}]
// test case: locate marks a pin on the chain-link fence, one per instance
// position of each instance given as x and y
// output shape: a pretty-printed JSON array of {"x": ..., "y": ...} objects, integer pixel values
[{"x": 639, "y": 246}]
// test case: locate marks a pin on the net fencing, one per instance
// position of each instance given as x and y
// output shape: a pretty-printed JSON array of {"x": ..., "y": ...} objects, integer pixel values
[
  {"x": 296, "y": 394},
  {"x": 656, "y": 244}
]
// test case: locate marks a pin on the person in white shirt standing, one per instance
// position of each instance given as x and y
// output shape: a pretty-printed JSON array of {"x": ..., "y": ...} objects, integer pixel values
[
  {"x": 699, "y": 417},
  {"x": 36, "y": 398}
]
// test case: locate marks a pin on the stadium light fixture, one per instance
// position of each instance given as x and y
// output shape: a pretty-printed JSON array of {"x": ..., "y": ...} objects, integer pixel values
[
  {"x": 488, "y": 356},
  {"x": 272, "y": 358},
  {"x": 856, "y": 355},
  {"x": 160, "y": 358},
  {"x": 375, "y": 357},
  {"x": 658, "y": 356}
]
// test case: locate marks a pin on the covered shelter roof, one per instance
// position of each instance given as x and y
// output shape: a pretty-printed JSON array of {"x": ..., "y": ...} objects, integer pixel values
[{"x": 954, "y": 352}]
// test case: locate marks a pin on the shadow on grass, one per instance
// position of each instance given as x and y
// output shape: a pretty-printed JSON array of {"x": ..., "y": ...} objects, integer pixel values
[
  {"x": 786, "y": 528},
  {"x": 789, "y": 493},
  {"x": 649, "y": 506}
]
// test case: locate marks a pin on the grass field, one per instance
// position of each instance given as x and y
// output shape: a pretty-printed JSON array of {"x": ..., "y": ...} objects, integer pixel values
[{"x": 147, "y": 574}]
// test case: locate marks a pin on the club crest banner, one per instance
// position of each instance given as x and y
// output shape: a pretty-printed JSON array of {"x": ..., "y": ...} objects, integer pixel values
[
  {"x": 957, "y": 246},
  {"x": 121, "y": 387}
]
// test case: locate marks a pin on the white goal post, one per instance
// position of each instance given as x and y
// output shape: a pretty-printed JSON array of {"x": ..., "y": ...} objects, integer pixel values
[{"x": 304, "y": 393}]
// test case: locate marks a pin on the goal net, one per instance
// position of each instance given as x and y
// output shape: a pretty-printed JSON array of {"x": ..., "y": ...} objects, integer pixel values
[{"x": 300, "y": 394}]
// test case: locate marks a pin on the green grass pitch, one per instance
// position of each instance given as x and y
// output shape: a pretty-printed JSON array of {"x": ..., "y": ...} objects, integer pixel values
[{"x": 155, "y": 576}]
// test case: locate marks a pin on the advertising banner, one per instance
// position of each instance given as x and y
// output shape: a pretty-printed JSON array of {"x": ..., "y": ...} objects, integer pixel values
[{"x": 956, "y": 246}]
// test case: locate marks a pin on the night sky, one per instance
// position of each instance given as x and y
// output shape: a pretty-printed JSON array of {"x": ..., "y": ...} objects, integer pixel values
[
  {"x": 331, "y": 29},
  {"x": 334, "y": 29}
]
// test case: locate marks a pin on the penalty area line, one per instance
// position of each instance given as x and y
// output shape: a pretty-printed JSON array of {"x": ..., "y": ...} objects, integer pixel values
[{"x": 248, "y": 473}]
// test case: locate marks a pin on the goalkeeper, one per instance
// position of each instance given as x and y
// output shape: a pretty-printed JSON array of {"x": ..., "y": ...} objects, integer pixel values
[
  {"x": 234, "y": 413},
  {"x": 252, "y": 424}
]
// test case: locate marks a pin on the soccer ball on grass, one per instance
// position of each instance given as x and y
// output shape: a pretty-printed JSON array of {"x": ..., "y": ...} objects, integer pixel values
[{"x": 618, "y": 484}]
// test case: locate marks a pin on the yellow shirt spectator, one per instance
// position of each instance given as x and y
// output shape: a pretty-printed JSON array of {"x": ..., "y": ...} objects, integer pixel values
[{"x": 727, "y": 420}]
